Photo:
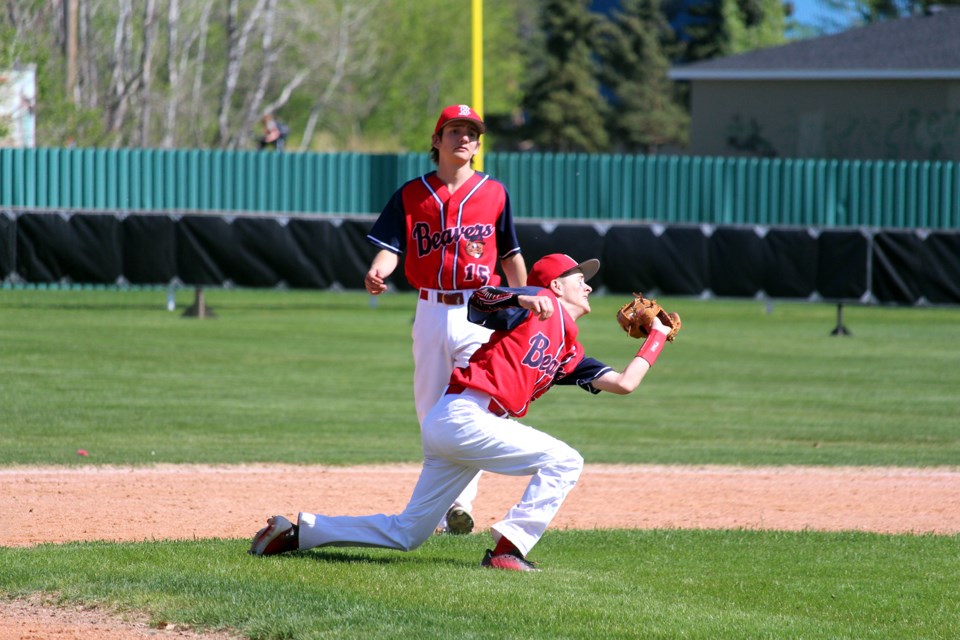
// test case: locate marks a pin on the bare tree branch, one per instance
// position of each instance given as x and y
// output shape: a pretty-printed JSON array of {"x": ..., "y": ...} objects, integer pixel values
[
  {"x": 267, "y": 53},
  {"x": 146, "y": 68},
  {"x": 343, "y": 50},
  {"x": 196, "y": 102},
  {"x": 119, "y": 83},
  {"x": 266, "y": 70},
  {"x": 89, "y": 78},
  {"x": 287, "y": 91},
  {"x": 236, "y": 48},
  {"x": 352, "y": 20},
  {"x": 173, "y": 73},
  {"x": 179, "y": 64}
]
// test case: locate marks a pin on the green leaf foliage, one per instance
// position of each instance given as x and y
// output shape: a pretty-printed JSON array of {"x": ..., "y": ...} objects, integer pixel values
[
  {"x": 427, "y": 64},
  {"x": 756, "y": 24}
]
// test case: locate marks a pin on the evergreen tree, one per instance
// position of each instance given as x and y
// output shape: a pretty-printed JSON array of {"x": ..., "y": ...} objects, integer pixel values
[
  {"x": 644, "y": 114},
  {"x": 565, "y": 111},
  {"x": 706, "y": 34},
  {"x": 717, "y": 28}
]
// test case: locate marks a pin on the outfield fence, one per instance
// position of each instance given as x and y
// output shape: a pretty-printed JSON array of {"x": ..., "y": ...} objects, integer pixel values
[{"x": 595, "y": 187}]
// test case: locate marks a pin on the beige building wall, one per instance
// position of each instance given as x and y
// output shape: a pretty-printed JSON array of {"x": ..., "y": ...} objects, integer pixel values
[{"x": 845, "y": 119}]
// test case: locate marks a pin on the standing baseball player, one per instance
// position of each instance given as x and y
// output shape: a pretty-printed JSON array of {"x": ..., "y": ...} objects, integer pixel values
[
  {"x": 453, "y": 226},
  {"x": 534, "y": 346}
]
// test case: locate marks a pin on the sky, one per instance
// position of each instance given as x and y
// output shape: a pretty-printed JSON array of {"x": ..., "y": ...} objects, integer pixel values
[{"x": 818, "y": 13}]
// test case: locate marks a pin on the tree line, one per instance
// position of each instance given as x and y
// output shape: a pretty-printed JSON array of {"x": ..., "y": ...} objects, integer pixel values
[{"x": 371, "y": 75}]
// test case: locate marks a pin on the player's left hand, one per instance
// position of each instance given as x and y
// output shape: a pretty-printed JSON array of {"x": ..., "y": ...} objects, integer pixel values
[{"x": 542, "y": 306}]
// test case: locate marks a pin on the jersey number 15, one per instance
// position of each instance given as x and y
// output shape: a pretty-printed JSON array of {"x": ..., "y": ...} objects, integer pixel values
[{"x": 479, "y": 272}]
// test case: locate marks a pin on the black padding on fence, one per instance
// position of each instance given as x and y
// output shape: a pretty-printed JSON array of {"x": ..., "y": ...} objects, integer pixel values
[
  {"x": 841, "y": 265},
  {"x": 313, "y": 247},
  {"x": 204, "y": 248},
  {"x": 8, "y": 245},
  {"x": 270, "y": 253},
  {"x": 149, "y": 249},
  {"x": 579, "y": 241},
  {"x": 629, "y": 259},
  {"x": 737, "y": 262},
  {"x": 683, "y": 261},
  {"x": 352, "y": 254},
  {"x": 940, "y": 265},
  {"x": 896, "y": 267},
  {"x": 789, "y": 263},
  {"x": 69, "y": 248},
  {"x": 885, "y": 266}
]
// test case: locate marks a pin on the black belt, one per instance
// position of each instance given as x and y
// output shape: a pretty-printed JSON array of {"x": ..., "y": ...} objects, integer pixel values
[
  {"x": 443, "y": 298},
  {"x": 494, "y": 406}
]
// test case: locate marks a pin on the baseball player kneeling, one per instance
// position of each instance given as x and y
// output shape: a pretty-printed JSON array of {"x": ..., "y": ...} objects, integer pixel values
[{"x": 470, "y": 429}]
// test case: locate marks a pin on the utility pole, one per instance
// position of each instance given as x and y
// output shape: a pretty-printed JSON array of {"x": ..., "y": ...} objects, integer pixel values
[{"x": 476, "y": 50}]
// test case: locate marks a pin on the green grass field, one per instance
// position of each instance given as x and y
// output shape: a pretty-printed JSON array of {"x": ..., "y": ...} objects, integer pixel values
[{"x": 325, "y": 378}]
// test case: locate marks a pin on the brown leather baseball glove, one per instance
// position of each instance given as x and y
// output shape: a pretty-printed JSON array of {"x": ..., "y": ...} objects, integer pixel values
[{"x": 636, "y": 317}]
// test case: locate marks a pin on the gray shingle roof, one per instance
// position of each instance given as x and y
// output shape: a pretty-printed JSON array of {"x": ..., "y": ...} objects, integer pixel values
[{"x": 916, "y": 47}]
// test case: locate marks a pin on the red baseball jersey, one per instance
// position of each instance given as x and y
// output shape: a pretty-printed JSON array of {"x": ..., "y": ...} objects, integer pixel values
[
  {"x": 451, "y": 241},
  {"x": 525, "y": 356}
]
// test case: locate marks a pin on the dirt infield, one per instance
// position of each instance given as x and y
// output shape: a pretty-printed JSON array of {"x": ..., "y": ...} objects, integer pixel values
[{"x": 169, "y": 502}]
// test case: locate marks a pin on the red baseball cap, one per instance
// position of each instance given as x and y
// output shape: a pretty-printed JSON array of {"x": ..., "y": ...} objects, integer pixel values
[
  {"x": 558, "y": 265},
  {"x": 459, "y": 112}
]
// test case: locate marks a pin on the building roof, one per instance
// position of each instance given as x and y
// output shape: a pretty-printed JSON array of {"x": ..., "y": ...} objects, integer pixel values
[{"x": 922, "y": 47}]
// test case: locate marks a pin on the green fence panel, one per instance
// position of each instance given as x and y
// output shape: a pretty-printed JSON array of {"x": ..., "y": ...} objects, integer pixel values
[
  {"x": 669, "y": 189},
  {"x": 564, "y": 186},
  {"x": 924, "y": 192},
  {"x": 29, "y": 183},
  {"x": 948, "y": 214},
  {"x": 43, "y": 177},
  {"x": 7, "y": 198}
]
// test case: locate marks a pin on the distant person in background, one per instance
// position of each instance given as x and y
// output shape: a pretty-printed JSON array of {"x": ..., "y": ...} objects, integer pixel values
[{"x": 274, "y": 133}]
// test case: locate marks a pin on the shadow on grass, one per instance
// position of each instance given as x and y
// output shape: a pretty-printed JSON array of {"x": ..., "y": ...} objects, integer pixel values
[{"x": 398, "y": 558}]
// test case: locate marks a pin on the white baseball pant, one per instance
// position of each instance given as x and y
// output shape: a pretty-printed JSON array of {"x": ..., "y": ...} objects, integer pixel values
[
  {"x": 460, "y": 438},
  {"x": 443, "y": 339}
]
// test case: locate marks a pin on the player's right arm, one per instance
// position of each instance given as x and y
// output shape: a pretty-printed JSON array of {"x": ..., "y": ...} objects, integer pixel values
[
  {"x": 505, "y": 308},
  {"x": 387, "y": 235},
  {"x": 384, "y": 264}
]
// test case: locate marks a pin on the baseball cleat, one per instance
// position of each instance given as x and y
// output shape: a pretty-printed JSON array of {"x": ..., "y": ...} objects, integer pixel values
[
  {"x": 459, "y": 521},
  {"x": 508, "y": 561},
  {"x": 279, "y": 536}
]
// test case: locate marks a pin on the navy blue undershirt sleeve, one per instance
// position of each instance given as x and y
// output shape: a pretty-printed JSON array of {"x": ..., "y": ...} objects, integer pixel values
[
  {"x": 497, "y": 307},
  {"x": 588, "y": 370}
]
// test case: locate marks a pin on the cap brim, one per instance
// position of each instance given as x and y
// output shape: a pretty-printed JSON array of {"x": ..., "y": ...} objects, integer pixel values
[{"x": 588, "y": 268}]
